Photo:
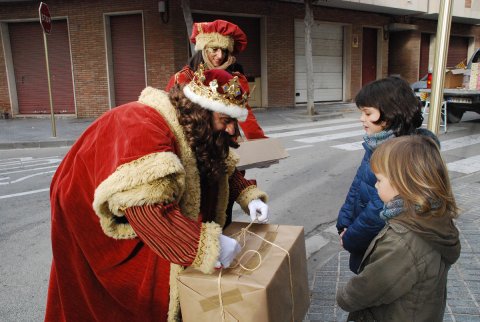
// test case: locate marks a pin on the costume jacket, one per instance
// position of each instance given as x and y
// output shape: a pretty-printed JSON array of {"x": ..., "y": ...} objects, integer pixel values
[
  {"x": 250, "y": 126},
  {"x": 361, "y": 211},
  {"x": 151, "y": 216},
  {"x": 403, "y": 276}
]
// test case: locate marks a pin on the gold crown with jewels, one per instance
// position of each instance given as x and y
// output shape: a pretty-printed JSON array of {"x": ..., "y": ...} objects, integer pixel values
[{"x": 232, "y": 92}]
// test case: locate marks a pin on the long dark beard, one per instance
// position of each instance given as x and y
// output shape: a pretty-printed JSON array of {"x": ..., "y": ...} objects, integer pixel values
[{"x": 210, "y": 147}]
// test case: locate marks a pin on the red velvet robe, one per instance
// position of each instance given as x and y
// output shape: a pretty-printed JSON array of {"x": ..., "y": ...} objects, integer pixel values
[{"x": 130, "y": 157}]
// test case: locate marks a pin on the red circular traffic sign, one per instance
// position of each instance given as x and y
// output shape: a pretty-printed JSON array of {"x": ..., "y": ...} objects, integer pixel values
[{"x": 45, "y": 19}]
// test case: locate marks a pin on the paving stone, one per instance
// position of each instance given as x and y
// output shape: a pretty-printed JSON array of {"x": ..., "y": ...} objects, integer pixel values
[
  {"x": 463, "y": 289},
  {"x": 466, "y": 318}
]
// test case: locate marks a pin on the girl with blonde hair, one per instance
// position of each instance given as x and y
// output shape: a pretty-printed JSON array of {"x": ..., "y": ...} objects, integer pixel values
[{"x": 403, "y": 275}]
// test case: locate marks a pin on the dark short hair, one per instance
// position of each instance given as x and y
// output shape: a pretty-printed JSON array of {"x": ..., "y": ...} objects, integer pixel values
[{"x": 399, "y": 107}]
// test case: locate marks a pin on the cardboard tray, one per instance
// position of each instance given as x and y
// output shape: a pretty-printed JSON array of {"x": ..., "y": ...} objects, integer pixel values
[{"x": 260, "y": 153}]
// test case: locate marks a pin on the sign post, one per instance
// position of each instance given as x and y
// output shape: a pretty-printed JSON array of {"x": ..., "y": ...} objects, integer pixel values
[{"x": 46, "y": 22}]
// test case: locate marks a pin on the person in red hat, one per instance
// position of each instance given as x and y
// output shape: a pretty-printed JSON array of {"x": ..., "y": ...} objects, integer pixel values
[
  {"x": 141, "y": 195},
  {"x": 216, "y": 43}
]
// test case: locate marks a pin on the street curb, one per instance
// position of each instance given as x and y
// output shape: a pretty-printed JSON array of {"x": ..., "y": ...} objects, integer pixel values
[
  {"x": 39, "y": 144},
  {"x": 69, "y": 142}
]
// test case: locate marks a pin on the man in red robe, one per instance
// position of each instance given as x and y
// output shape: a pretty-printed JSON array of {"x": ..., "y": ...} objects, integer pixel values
[{"x": 141, "y": 195}]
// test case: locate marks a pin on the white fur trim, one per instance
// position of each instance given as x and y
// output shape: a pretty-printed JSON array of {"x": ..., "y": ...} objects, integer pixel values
[
  {"x": 208, "y": 248},
  {"x": 232, "y": 161},
  {"x": 158, "y": 99},
  {"x": 154, "y": 178},
  {"x": 248, "y": 194},
  {"x": 174, "y": 303},
  {"x": 240, "y": 113}
]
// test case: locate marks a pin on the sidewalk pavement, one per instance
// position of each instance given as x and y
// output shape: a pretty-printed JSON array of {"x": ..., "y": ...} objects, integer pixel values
[
  {"x": 328, "y": 267},
  {"x": 21, "y": 133}
]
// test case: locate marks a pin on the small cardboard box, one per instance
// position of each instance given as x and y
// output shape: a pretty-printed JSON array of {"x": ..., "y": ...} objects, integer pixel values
[
  {"x": 260, "y": 153},
  {"x": 271, "y": 289},
  {"x": 454, "y": 78}
]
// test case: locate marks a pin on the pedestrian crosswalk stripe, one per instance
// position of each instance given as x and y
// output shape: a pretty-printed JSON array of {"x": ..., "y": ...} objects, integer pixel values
[
  {"x": 27, "y": 170},
  {"x": 24, "y": 193},
  {"x": 329, "y": 137},
  {"x": 307, "y": 124},
  {"x": 466, "y": 166},
  {"x": 349, "y": 146},
  {"x": 446, "y": 145},
  {"x": 299, "y": 147},
  {"x": 460, "y": 142},
  {"x": 316, "y": 130}
]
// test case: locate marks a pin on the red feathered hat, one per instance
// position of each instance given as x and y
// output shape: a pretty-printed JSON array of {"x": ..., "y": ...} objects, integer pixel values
[
  {"x": 219, "y": 91},
  {"x": 218, "y": 33}
]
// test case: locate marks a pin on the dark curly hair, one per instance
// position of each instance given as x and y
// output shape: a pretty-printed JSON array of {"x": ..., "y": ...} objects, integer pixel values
[
  {"x": 210, "y": 147},
  {"x": 395, "y": 100}
]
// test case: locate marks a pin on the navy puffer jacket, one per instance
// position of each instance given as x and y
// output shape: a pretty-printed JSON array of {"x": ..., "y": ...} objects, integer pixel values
[{"x": 360, "y": 212}]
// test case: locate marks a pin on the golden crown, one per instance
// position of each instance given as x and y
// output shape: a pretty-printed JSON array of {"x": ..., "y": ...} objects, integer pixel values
[{"x": 232, "y": 93}]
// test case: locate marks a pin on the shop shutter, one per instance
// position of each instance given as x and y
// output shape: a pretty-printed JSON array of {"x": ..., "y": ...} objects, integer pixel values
[
  {"x": 128, "y": 57},
  {"x": 29, "y": 65},
  {"x": 457, "y": 50},
  {"x": 424, "y": 54},
  {"x": 327, "y": 52}
]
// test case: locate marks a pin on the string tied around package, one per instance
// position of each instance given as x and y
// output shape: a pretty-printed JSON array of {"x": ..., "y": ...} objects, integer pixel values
[{"x": 241, "y": 235}]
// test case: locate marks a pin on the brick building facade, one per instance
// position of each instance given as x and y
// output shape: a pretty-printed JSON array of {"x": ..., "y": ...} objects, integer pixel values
[{"x": 96, "y": 57}]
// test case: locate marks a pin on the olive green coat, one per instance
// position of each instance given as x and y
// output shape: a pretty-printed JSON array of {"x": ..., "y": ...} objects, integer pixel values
[{"x": 403, "y": 275}]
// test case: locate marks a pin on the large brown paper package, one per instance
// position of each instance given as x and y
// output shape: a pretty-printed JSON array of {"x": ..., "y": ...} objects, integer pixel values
[{"x": 263, "y": 294}]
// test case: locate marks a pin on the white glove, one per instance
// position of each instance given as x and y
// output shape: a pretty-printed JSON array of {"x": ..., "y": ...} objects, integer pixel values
[
  {"x": 257, "y": 206},
  {"x": 229, "y": 248}
]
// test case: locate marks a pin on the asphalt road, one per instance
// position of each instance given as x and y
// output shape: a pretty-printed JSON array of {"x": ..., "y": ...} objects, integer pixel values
[{"x": 305, "y": 189}]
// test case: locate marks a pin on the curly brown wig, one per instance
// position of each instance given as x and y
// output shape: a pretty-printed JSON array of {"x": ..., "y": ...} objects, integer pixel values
[{"x": 210, "y": 147}]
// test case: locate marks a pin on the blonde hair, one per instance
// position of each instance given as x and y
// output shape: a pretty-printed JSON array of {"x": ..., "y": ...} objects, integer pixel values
[{"x": 415, "y": 168}]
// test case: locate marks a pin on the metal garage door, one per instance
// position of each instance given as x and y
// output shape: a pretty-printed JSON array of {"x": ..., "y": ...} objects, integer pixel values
[
  {"x": 327, "y": 51},
  {"x": 457, "y": 50},
  {"x": 28, "y": 57},
  {"x": 128, "y": 57}
]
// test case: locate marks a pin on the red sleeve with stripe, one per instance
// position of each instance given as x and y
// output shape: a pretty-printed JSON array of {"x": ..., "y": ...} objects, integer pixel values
[
  {"x": 166, "y": 231},
  {"x": 237, "y": 183}
]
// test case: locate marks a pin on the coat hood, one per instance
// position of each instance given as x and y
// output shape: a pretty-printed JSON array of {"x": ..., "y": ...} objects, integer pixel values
[
  {"x": 428, "y": 133},
  {"x": 439, "y": 231}
]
